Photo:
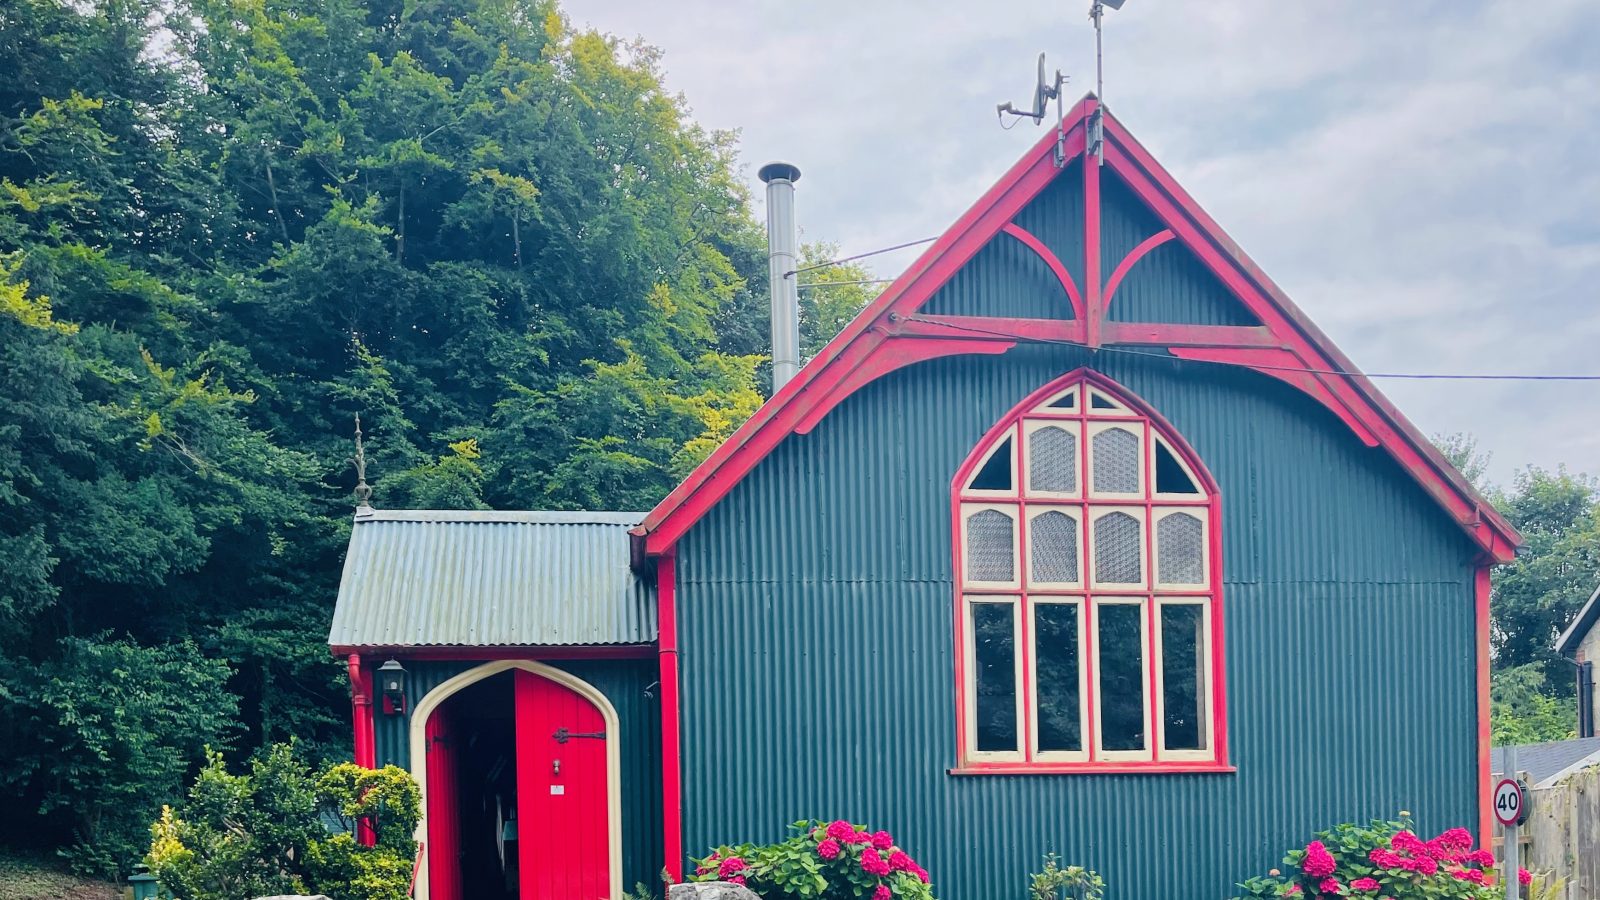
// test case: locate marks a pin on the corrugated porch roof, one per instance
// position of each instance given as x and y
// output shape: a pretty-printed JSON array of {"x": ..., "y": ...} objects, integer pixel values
[{"x": 478, "y": 578}]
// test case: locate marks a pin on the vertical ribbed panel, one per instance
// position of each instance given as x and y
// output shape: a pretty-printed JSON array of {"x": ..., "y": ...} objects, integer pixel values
[
  {"x": 1168, "y": 285},
  {"x": 1005, "y": 278},
  {"x": 815, "y": 605},
  {"x": 623, "y": 682}
]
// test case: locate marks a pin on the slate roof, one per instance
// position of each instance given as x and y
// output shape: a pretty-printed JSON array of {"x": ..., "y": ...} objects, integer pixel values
[
  {"x": 1542, "y": 761},
  {"x": 1567, "y": 643}
]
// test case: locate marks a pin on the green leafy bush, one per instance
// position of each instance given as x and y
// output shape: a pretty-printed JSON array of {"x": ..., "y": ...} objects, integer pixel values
[
  {"x": 267, "y": 832},
  {"x": 822, "y": 861},
  {"x": 1382, "y": 860},
  {"x": 1058, "y": 882}
]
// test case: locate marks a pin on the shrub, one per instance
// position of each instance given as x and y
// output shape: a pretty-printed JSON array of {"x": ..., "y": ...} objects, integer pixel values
[
  {"x": 1057, "y": 882},
  {"x": 1382, "y": 860},
  {"x": 267, "y": 832},
  {"x": 822, "y": 861}
]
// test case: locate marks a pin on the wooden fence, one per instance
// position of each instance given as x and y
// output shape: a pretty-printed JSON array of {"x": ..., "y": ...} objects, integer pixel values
[{"x": 1562, "y": 836}]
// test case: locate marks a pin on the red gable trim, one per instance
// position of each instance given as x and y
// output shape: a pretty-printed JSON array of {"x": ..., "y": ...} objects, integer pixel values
[{"x": 878, "y": 340}]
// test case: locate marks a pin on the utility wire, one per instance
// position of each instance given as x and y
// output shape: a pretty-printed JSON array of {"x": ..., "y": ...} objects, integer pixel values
[
  {"x": 1422, "y": 376},
  {"x": 845, "y": 259},
  {"x": 812, "y": 284}
]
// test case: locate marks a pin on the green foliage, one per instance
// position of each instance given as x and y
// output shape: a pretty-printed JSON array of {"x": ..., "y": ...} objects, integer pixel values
[
  {"x": 1058, "y": 882},
  {"x": 829, "y": 297},
  {"x": 226, "y": 228},
  {"x": 1381, "y": 859},
  {"x": 821, "y": 861},
  {"x": 1522, "y": 712},
  {"x": 100, "y": 732},
  {"x": 265, "y": 832}
]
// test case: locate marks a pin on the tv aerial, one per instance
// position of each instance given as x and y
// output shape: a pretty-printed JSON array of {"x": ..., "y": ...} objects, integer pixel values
[{"x": 1044, "y": 90}]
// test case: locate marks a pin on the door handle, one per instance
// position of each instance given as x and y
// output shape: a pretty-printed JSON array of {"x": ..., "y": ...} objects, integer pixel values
[{"x": 562, "y": 735}]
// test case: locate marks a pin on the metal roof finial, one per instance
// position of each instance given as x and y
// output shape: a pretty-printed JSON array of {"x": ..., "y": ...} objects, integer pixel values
[{"x": 363, "y": 490}]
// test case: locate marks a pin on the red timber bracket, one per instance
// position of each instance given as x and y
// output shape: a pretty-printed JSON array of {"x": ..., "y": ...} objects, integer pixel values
[{"x": 892, "y": 333}]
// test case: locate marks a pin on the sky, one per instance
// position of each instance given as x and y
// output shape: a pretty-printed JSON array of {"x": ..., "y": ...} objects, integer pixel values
[{"x": 1422, "y": 178}]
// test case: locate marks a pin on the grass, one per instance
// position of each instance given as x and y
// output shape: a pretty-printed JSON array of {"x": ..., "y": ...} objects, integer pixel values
[{"x": 25, "y": 877}]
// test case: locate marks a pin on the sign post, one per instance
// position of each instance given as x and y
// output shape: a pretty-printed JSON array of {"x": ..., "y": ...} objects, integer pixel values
[{"x": 1510, "y": 802}]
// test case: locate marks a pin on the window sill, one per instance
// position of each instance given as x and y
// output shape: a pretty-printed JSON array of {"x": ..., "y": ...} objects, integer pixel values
[{"x": 1105, "y": 768}]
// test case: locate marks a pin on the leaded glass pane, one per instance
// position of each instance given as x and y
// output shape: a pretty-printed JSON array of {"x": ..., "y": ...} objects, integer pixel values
[
  {"x": 1180, "y": 549},
  {"x": 991, "y": 550},
  {"x": 1116, "y": 461},
  {"x": 1053, "y": 552},
  {"x": 1053, "y": 460},
  {"x": 1117, "y": 549}
]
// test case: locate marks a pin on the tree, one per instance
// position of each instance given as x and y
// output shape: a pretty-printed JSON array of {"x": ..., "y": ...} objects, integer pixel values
[
  {"x": 830, "y": 296},
  {"x": 227, "y": 228}
]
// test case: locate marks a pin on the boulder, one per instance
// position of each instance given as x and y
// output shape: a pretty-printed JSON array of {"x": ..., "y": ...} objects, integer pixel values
[{"x": 710, "y": 890}]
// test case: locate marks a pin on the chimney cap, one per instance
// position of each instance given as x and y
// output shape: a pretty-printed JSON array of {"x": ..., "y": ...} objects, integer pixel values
[{"x": 773, "y": 171}]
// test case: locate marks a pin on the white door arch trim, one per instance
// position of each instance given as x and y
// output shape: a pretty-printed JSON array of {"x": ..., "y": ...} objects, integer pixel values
[{"x": 450, "y": 686}]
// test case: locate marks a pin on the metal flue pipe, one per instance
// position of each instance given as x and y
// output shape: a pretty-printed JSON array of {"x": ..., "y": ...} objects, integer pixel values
[{"x": 783, "y": 257}]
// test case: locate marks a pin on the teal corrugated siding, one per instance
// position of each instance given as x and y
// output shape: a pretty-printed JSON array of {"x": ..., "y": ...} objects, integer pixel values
[
  {"x": 624, "y": 683},
  {"x": 1168, "y": 285},
  {"x": 815, "y": 606}
]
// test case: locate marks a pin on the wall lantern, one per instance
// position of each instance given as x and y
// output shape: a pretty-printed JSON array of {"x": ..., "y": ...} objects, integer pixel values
[{"x": 392, "y": 683}]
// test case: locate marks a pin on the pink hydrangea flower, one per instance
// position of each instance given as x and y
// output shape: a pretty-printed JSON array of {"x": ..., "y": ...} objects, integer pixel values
[
  {"x": 828, "y": 849},
  {"x": 882, "y": 893},
  {"x": 921, "y": 873},
  {"x": 1424, "y": 865},
  {"x": 735, "y": 879},
  {"x": 1364, "y": 884},
  {"x": 730, "y": 866},
  {"x": 900, "y": 862},
  {"x": 1483, "y": 858},
  {"x": 873, "y": 863},
  {"x": 1329, "y": 885},
  {"x": 839, "y": 830},
  {"x": 1318, "y": 862},
  {"x": 1385, "y": 859},
  {"x": 1524, "y": 876},
  {"x": 1456, "y": 839},
  {"x": 882, "y": 840}
]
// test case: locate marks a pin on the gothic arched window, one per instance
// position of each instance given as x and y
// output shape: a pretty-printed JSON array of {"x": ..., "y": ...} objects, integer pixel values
[{"x": 1089, "y": 623}]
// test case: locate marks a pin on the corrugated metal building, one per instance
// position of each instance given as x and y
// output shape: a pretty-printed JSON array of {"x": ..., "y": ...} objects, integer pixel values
[{"x": 1078, "y": 539}]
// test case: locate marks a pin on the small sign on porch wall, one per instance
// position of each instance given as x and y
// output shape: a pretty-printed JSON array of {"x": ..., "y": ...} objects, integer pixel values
[{"x": 558, "y": 789}]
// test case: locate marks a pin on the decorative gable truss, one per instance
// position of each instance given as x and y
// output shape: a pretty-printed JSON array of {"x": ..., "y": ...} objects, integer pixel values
[{"x": 906, "y": 324}]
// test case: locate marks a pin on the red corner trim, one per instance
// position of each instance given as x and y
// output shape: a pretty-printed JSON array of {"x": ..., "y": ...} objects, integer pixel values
[
  {"x": 671, "y": 765},
  {"x": 830, "y": 377},
  {"x": 1134, "y": 255},
  {"x": 1480, "y": 590},
  {"x": 1051, "y": 260}
]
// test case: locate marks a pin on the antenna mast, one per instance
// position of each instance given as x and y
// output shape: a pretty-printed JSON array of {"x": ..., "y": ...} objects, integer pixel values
[{"x": 1097, "y": 126}]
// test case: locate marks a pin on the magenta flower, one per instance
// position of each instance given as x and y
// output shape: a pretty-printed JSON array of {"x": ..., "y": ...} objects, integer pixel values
[
  {"x": 873, "y": 863},
  {"x": 729, "y": 867},
  {"x": 882, "y": 840},
  {"x": 900, "y": 862},
  {"x": 1364, "y": 884},
  {"x": 1318, "y": 862},
  {"x": 839, "y": 830},
  {"x": 828, "y": 849},
  {"x": 1329, "y": 885},
  {"x": 882, "y": 893},
  {"x": 1524, "y": 876}
]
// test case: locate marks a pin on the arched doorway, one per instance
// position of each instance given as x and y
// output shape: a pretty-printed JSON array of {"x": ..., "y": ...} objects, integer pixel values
[{"x": 519, "y": 765}]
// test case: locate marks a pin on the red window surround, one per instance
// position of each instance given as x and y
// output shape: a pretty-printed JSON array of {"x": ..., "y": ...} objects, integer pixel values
[{"x": 1174, "y": 591}]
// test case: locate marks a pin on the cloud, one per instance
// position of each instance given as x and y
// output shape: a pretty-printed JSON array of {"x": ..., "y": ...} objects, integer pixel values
[{"x": 1420, "y": 177}]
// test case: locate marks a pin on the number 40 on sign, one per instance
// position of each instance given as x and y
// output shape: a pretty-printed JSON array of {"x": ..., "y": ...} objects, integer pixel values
[{"x": 1510, "y": 802}]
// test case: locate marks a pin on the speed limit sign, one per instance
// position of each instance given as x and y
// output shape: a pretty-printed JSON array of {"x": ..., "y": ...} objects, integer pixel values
[{"x": 1510, "y": 802}]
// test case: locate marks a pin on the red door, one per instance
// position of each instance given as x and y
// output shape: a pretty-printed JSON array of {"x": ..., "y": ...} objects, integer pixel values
[
  {"x": 564, "y": 846},
  {"x": 444, "y": 827}
]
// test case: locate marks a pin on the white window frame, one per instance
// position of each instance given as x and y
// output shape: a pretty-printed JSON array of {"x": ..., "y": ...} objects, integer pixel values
[
  {"x": 1014, "y": 512},
  {"x": 1074, "y": 514},
  {"x": 1200, "y": 492},
  {"x": 1147, "y": 753},
  {"x": 1163, "y": 512},
  {"x": 1118, "y": 587},
  {"x": 971, "y": 700},
  {"x": 1207, "y": 696},
  {"x": 1079, "y": 604},
  {"x": 1135, "y": 427},
  {"x": 1030, "y": 427}
]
